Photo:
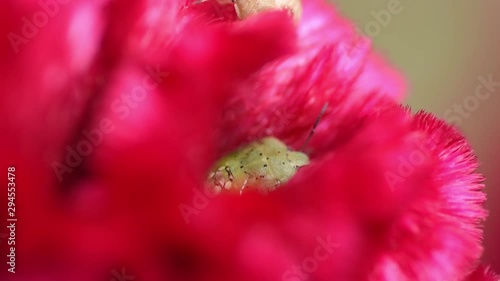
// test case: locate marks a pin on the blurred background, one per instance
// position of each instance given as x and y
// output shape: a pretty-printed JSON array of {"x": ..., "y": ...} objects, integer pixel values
[{"x": 443, "y": 48}]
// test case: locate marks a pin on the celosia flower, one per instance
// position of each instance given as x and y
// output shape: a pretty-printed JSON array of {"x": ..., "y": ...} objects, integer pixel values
[
  {"x": 483, "y": 274},
  {"x": 122, "y": 108}
]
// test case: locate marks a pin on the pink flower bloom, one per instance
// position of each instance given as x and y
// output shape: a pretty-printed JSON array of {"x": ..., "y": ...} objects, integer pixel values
[
  {"x": 120, "y": 109},
  {"x": 483, "y": 274}
]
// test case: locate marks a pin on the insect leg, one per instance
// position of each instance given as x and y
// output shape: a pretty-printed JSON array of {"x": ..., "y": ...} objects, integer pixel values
[
  {"x": 229, "y": 173},
  {"x": 245, "y": 182},
  {"x": 314, "y": 126},
  {"x": 244, "y": 185}
]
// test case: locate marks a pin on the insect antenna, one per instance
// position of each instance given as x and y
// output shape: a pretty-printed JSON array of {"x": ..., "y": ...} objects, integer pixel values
[{"x": 314, "y": 127}]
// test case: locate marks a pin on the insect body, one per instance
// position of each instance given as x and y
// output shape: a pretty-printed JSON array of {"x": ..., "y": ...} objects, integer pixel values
[
  {"x": 263, "y": 164},
  {"x": 246, "y": 8}
]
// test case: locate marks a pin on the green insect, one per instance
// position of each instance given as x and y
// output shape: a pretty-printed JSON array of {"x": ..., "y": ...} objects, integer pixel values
[{"x": 263, "y": 164}]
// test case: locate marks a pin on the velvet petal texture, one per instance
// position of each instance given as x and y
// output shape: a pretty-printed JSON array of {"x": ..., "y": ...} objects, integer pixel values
[{"x": 114, "y": 123}]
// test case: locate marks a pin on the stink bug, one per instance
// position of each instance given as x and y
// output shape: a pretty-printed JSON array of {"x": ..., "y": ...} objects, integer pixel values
[
  {"x": 264, "y": 164},
  {"x": 246, "y": 8}
]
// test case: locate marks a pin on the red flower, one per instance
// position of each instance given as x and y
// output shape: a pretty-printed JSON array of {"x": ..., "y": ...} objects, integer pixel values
[
  {"x": 483, "y": 274},
  {"x": 124, "y": 107}
]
